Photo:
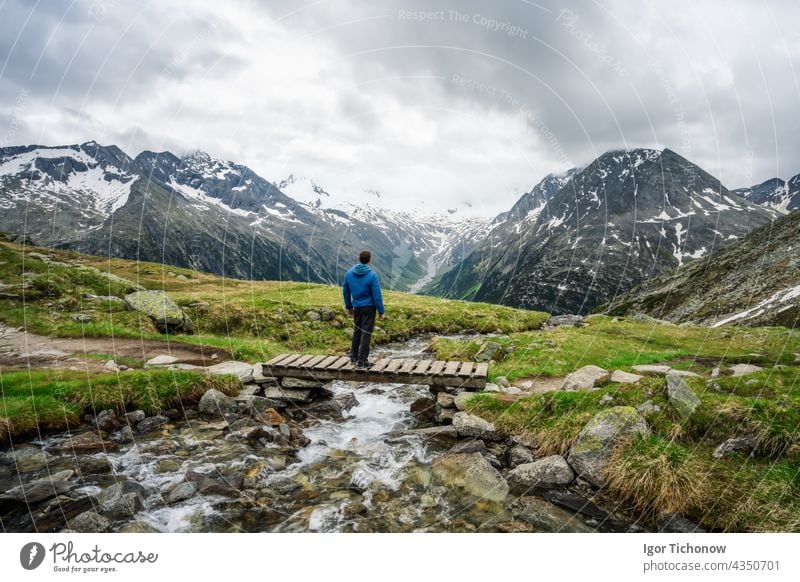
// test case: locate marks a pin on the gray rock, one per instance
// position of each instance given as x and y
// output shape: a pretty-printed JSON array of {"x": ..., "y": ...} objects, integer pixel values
[
  {"x": 300, "y": 383},
  {"x": 167, "y": 316},
  {"x": 135, "y": 416},
  {"x": 86, "y": 442},
  {"x": 741, "y": 444},
  {"x": 547, "y": 473},
  {"x": 181, "y": 492},
  {"x": 36, "y": 490},
  {"x": 151, "y": 423},
  {"x": 94, "y": 465},
  {"x": 259, "y": 377},
  {"x": 107, "y": 420},
  {"x": 445, "y": 400},
  {"x": 25, "y": 459},
  {"x": 288, "y": 394},
  {"x": 685, "y": 373},
  {"x": 674, "y": 523},
  {"x": 162, "y": 360},
  {"x": 490, "y": 387},
  {"x": 518, "y": 455},
  {"x": 647, "y": 407},
  {"x": 468, "y": 425},
  {"x": 111, "y": 366},
  {"x": 565, "y": 320},
  {"x": 621, "y": 377},
  {"x": 448, "y": 431},
  {"x": 215, "y": 403},
  {"x": 123, "y": 499},
  {"x": 680, "y": 395},
  {"x": 511, "y": 390},
  {"x": 460, "y": 401},
  {"x": 585, "y": 378},
  {"x": 423, "y": 408},
  {"x": 502, "y": 382},
  {"x": 487, "y": 351},
  {"x": 81, "y": 317},
  {"x": 472, "y": 473},
  {"x": 716, "y": 372},
  {"x": 546, "y": 517},
  {"x": 241, "y": 370},
  {"x": 313, "y": 316},
  {"x": 652, "y": 369},
  {"x": 743, "y": 369},
  {"x": 469, "y": 446},
  {"x": 443, "y": 415},
  {"x": 606, "y": 399},
  {"x": 592, "y": 448},
  {"x": 89, "y": 522}
]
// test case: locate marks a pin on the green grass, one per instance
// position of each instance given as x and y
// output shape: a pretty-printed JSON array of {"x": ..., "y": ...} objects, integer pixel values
[
  {"x": 618, "y": 344},
  {"x": 55, "y": 399}
]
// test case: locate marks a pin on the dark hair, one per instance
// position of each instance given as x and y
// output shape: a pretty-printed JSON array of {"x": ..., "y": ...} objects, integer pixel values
[{"x": 365, "y": 257}]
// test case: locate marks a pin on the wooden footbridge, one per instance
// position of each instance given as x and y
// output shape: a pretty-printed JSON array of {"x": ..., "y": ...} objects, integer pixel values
[{"x": 467, "y": 375}]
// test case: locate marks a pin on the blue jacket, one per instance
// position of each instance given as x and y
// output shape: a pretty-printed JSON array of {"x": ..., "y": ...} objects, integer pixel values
[{"x": 362, "y": 288}]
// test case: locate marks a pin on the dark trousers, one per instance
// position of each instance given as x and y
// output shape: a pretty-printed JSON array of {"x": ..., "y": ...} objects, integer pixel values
[{"x": 364, "y": 320}]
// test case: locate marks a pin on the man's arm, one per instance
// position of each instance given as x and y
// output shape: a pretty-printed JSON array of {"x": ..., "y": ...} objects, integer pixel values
[
  {"x": 377, "y": 296},
  {"x": 348, "y": 302}
]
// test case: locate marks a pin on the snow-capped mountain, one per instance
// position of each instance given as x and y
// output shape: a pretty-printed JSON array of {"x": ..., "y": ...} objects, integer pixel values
[
  {"x": 213, "y": 215},
  {"x": 628, "y": 216},
  {"x": 778, "y": 194},
  {"x": 753, "y": 281}
]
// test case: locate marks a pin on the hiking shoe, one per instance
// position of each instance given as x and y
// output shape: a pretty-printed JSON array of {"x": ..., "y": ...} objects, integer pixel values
[{"x": 363, "y": 365}]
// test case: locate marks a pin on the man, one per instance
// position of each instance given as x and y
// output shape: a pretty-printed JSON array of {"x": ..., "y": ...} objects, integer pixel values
[{"x": 362, "y": 298}]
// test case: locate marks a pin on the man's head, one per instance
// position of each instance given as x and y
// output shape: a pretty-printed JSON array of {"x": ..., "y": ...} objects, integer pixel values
[{"x": 365, "y": 257}]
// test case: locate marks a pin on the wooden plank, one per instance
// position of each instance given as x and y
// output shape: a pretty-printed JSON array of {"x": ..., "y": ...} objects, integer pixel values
[
  {"x": 407, "y": 366},
  {"x": 300, "y": 361},
  {"x": 326, "y": 362},
  {"x": 465, "y": 369},
  {"x": 277, "y": 359},
  {"x": 314, "y": 361},
  {"x": 450, "y": 368},
  {"x": 393, "y": 366},
  {"x": 481, "y": 370},
  {"x": 421, "y": 366},
  {"x": 380, "y": 365},
  {"x": 290, "y": 360},
  {"x": 348, "y": 367},
  {"x": 339, "y": 363},
  {"x": 436, "y": 368}
]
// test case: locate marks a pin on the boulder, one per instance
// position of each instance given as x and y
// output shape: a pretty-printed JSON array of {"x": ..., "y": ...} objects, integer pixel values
[
  {"x": 162, "y": 360},
  {"x": 313, "y": 316},
  {"x": 652, "y": 369},
  {"x": 241, "y": 370},
  {"x": 443, "y": 415},
  {"x": 502, "y": 382},
  {"x": 37, "y": 490},
  {"x": 490, "y": 387},
  {"x": 741, "y": 444},
  {"x": 647, "y": 407},
  {"x": 680, "y": 395},
  {"x": 423, "y": 408},
  {"x": 472, "y": 473},
  {"x": 135, "y": 416},
  {"x": 280, "y": 393},
  {"x": 565, "y": 320},
  {"x": 181, "y": 492},
  {"x": 89, "y": 522},
  {"x": 743, "y": 369},
  {"x": 547, "y": 473},
  {"x": 107, "y": 420},
  {"x": 487, "y": 351},
  {"x": 214, "y": 402},
  {"x": 445, "y": 400},
  {"x": 167, "y": 316},
  {"x": 151, "y": 423},
  {"x": 300, "y": 383},
  {"x": 259, "y": 377},
  {"x": 26, "y": 459},
  {"x": 86, "y": 442},
  {"x": 592, "y": 448},
  {"x": 585, "y": 378},
  {"x": 674, "y": 523},
  {"x": 123, "y": 499},
  {"x": 546, "y": 517},
  {"x": 469, "y": 425},
  {"x": 111, "y": 366},
  {"x": 621, "y": 377},
  {"x": 461, "y": 399},
  {"x": 518, "y": 455},
  {"x": 511, "y": 390},
  {"x": 469, "y": 446}
]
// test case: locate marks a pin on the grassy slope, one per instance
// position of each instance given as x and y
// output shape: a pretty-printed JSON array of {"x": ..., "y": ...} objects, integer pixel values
[{"x": 673, "y": 470}]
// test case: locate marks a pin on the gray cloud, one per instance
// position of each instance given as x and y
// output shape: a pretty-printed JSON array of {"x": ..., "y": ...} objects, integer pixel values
[{"x": 436, "y": 104}]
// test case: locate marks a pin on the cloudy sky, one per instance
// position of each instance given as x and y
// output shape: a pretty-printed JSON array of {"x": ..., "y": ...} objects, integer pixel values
[{"x": 432, "y": 105}]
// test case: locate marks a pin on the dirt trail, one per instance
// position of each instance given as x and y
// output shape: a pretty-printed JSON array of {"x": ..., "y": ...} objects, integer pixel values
[{"x": 21, "y": 348}]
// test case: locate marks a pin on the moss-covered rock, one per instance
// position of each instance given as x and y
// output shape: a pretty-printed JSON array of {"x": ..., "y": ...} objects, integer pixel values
[
  {"x": 165, "y": 313},
  {"x": 592, "y": 449},
  {"x": 472, "y": 473},
  {"x": 681, "y": 396}
]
